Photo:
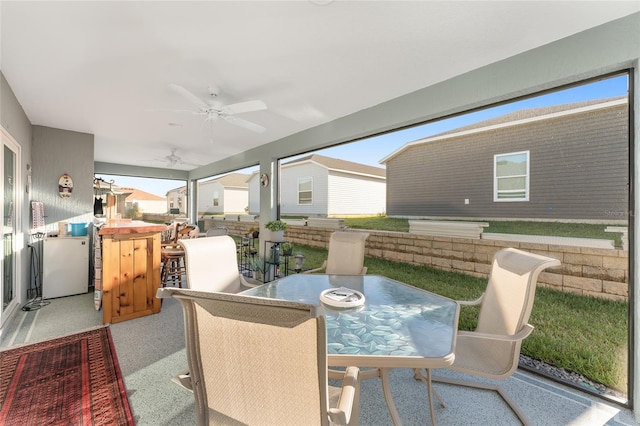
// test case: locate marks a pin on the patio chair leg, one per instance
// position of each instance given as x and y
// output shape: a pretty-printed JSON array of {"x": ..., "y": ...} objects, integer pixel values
[
  {"x": 512, "y": 405},
  {"x": 183, "y": 379}
]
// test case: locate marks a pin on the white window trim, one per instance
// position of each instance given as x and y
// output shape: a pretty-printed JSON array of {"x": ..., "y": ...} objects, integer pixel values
[
  {"x": 298, "y": 191},
  {"x": 526, "y": 178}
]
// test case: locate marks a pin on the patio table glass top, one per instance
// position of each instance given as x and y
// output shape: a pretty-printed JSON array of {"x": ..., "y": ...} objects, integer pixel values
[{"x": 413, "y": 327}]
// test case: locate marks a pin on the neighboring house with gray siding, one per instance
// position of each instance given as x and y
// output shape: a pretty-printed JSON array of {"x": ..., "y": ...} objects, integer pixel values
[
  {"x": 321, "y": 186},
  {"x": 564, "y": 162}
]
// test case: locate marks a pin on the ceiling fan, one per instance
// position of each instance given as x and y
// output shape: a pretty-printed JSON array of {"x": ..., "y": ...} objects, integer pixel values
[
  {"x": 213, "y": 109},
  {"x": 173, "y": 160}
]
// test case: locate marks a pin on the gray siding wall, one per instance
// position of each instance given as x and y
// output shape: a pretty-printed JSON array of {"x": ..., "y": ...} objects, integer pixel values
[
  {"x": 578, "y": 171},
  {"x": 56, "y": 152}
]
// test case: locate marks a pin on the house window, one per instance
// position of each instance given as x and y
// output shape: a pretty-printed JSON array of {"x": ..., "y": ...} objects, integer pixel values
[
  {"x": 305, "y": 191},
  {"x": 511, "y": 176},
  {"x": 216, "y": 199}
]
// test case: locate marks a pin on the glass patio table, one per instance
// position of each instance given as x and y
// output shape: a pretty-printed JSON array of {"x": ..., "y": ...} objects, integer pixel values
[{"x": 398, "y": 326}]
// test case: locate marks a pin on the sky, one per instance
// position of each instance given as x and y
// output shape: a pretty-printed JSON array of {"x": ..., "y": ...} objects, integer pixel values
[{"x": 370, "y": 151}]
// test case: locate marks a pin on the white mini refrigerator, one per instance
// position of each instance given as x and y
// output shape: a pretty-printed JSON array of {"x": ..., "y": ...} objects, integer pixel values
[{"x": 65, "y": 266}]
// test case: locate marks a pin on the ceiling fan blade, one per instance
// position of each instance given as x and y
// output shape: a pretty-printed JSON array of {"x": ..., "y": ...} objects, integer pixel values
[
  {"x": 189, "y": 96},
  {"x": 244, "y": 123},
  {"x": 173, "y": 160},
  {"x": 186, "y": 163},
  {"x": 177, "y": 111},
  {"x": 240, "y": 107}
]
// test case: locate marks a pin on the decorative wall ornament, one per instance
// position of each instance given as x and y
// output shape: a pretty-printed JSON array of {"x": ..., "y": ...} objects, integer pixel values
[
  {"x": 65, "y": 186},
  {"x": 264, "y": 180}
]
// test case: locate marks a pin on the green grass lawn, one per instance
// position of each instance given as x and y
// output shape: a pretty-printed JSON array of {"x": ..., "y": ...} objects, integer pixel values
[
  {"x": 382, "y": 223},
  {"x": 585, "y": 335},
  {"x": 582, "y": 334}
]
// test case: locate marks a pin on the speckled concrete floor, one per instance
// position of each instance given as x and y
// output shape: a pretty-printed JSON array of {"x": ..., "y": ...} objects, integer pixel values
[{"x": 151, "y": 351}]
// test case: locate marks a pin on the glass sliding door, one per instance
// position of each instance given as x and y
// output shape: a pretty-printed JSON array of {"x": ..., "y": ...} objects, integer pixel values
[{"x": 10, "y": 216}]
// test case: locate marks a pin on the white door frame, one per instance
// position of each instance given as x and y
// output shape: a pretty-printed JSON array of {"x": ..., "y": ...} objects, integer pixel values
[{"x": 18, "y": 235}]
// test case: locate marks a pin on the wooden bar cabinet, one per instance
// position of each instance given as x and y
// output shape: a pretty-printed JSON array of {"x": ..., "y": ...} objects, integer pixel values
[{"x": 130, "y": 270}]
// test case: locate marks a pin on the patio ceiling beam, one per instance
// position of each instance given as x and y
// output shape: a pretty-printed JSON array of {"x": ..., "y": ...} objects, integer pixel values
[{"x": 138, "y": 171}]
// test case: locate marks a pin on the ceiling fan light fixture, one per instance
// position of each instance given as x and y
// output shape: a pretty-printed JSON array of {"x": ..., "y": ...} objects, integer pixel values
[
  {"x": 212, "y": 109},
  {"x": 173, "y": 160}
]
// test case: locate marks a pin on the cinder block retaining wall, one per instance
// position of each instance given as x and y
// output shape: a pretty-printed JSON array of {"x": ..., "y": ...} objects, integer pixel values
[{"x": 587, "y": 271}]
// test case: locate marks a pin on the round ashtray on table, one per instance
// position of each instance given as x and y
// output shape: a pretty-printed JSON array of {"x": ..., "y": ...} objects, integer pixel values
[{"x": 342, "y": 297}]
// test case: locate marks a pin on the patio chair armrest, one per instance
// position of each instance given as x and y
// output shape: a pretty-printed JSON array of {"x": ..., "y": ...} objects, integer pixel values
[
  {"x": 163, "y": 293},
  {"x": 471, "y": 302},
  {"x": 249, "y": 282},
  {"x": 526, "y": 330},
  {"x": 310, "y": 271},
  {"x": 341, "y": 415}
]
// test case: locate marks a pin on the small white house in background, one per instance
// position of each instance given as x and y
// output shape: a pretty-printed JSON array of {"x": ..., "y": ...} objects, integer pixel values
[
  {"x": 177, "y": 200},
  {"x": 321, "y": 186},
  {"x": 224, "y": 195},
  {"x": 146, "y": 202}
]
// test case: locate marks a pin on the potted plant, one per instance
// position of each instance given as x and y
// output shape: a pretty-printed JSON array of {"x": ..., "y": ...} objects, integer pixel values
[
  {"x": 287, "y": 248},
  {"x": 276, "y": 227},
  {"x": 254, "y": 232},
  {"x": 259, "y": 267}
]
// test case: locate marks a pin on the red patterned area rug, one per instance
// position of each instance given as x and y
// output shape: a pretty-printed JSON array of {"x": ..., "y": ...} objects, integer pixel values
[{"x": 71, "y": 380}]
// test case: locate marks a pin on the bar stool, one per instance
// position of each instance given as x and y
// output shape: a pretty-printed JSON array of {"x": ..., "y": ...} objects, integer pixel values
[
  {"x": 172, "y": 266},
  {"x": 172, "y": 258}
]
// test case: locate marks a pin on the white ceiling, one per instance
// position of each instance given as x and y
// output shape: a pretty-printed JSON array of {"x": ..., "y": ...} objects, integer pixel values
[{"x": 105, "y": 68}]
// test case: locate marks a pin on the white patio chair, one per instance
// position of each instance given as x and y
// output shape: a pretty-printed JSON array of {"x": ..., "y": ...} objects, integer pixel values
[
  {"x": 212, "y": 265},
  {"x": 346, "y": 254},
  {"x": 493, "y": 349},
  {"x": 257, "y": 361}
]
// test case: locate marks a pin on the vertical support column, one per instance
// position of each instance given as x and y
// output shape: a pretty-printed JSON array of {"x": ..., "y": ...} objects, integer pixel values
[
  {"x": 192, "y": 199},
  {"x": 634, "y": 234},
  {"x": 269, "y": 202}
]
